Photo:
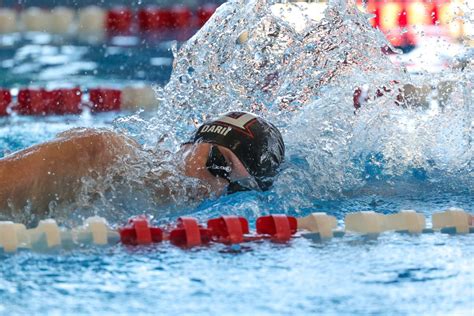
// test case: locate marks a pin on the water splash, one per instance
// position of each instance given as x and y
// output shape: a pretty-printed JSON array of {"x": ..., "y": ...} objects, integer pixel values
[{"x": 301, "y": 74}]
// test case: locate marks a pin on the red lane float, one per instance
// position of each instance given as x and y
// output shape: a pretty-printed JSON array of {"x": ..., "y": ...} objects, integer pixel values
[
  {"x": 32, "y": 102},
  {"x": 204, "y": 13},
  {"x": 182, "y": 17},
  {"x": 39, "y": 101},
  {"x": 154, "y": 19},
  {"x": 279, "y": 227},
  {"x": 188, "y": 233},
  {"x": 103, "y": 100},
  {"x": 5, "y": 100},
  {"x": 67, "y": 101},
  {"x": 228, "y": 229},
  {"x": 43, "y": 102},
  {"x": 119, "y": 20},
  {"x": 138, "y": 232}
]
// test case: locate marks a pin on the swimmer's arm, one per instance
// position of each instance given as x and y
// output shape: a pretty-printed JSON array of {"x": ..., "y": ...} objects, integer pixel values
[{"x": 53, "y": 170}]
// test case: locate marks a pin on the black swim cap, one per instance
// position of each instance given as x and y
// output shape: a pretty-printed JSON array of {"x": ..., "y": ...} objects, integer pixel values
[{"x": 256, "y": 142}]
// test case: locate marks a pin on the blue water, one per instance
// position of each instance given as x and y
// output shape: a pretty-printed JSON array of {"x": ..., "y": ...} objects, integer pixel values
[
  {"x": 44, "y": 60},
  {"x": 391, "y": 274}
]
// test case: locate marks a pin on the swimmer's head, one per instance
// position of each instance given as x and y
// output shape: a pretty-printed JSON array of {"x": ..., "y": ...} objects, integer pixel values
[{"x": 256, "y": 142}]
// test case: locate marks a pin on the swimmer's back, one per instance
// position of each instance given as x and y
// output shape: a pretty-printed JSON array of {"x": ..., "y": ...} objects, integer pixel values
[{"x": 53, "y": 170}]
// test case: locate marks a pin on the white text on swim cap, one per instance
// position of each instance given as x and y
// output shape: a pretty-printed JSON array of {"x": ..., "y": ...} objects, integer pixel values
[{"x": 216, "y": 129}]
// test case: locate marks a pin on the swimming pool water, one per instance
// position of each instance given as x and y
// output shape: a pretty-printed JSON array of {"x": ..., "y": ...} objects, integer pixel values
[
  {"x": 391, "y": 274},
  {"x": 50, "y": 61},
  {"x": 394, "y": 274}
]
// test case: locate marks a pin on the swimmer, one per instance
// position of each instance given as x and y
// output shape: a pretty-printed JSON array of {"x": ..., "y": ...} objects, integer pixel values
[{"x": 235, "y": 152}]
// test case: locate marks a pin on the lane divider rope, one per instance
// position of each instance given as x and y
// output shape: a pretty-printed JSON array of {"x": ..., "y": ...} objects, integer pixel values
[
  {"x": 39, "y": 101},
  {"x": 400, "y": 21},
  {"x": 187, "y": 232},
  {"x": 93, "y": 20}
]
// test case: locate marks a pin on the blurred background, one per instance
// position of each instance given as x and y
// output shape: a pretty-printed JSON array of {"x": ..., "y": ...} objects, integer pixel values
[
  {"x": 451, "y": 18},
  {"x": 81, "y": 3},
  {"x": 65, "y": 43}
]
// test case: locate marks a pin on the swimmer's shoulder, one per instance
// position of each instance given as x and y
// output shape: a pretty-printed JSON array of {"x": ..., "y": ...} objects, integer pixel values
[
  {"x": 96, "y": 135},
  {"x": 100, "y": 140},
  {"x": 92, "y": 133}
]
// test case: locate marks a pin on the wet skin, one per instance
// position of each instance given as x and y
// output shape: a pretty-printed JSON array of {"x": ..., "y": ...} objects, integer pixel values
[{"x": 53, "y": 170}]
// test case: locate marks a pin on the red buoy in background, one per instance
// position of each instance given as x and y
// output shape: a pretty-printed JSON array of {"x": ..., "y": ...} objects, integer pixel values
[
  {"x": 33, "y": 102},
  {"x": 103, "y": 100},
  {"x": 119, "y": 20},
  {"x": 181, "y": 17},
  {"x": 5, "y": 101},
  {"x": 204, "y": 13},
  {"x": 154, "y": 19},
  {"x": 66, "y": 101},
  {"x": 182, "y": 23},
  {"x": 147, "y": 19}
]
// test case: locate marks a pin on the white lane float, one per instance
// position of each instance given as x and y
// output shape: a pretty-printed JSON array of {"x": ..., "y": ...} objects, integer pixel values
[
  {"x": 95, "y": 231},
  {"x": 134, "y": 97},
  {"x": 365, "y": 222},
  {"x": 45, "y": 236},
  {"x": 35, "y": 19},
  {"x": 62, "y": 20},
  {"x": 320, "y": 224},
  {"x": 91, "y": 20},
  {"x": 7, "y": 21},
  {"x": 405, "y": 221},
  {"x": 59, "y": 20},
  {"x": 453, "y": 221},
  {"x": 13, "y": 236}
]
